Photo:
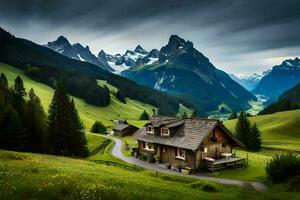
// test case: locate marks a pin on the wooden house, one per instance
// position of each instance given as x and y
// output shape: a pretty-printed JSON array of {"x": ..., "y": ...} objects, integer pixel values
[
  {"x": 187, "y": 142},
  {"x": 124, "y": 129}
]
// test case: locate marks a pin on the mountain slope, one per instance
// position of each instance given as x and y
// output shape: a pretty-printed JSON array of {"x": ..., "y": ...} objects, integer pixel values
[
  {"x": 248, "y": 82},
  {"x": 77, "y": 52},
  {"x": 24, "y": 54},
  {"x": 130, "y": 111},
  {"x": 289, "y": 100},
  {"x": 184, "y": 71},
  {"x": 279, "y": 130},
  {"x": 281, "y": 78},
  {"x": 131, "y": 59}
]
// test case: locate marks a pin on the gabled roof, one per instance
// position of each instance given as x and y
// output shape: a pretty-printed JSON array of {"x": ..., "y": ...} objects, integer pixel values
[
  {"x": 189, "y": 135},
  {"x": 120, "y": 127}
]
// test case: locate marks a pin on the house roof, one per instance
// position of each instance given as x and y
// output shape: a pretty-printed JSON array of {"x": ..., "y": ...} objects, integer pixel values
[
  {"x": 120, "y": 127},
  {"x": 189, "y": 135}
]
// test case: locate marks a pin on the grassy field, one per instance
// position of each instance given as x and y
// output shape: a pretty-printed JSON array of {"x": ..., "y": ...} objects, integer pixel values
[
  {"x": 36, "y": 176},
  {"x": 280, "y": 133},
  {"x": 130, "y": 111},
  {"x": 128, "y": 143},
  {"x": 279, "y": 130}
]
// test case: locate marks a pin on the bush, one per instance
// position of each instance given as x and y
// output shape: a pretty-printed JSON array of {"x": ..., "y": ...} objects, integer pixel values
[
  {"x": 294, "y": 184},
  {"x": 210, "y": 187},
  {"x": 152, "y": 158},
  {"x": 283, "y": 167},
  {"x": 98, "y": 127}
]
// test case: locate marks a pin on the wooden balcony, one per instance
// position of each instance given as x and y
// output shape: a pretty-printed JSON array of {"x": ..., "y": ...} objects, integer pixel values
[{"x": 225, "y": 163}]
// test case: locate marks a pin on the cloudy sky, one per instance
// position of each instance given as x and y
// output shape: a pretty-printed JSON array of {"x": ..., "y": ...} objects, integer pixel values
[{"x": 240, "y": 37}]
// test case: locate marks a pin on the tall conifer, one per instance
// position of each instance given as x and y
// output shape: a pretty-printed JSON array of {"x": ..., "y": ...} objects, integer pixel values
[{"x": 66, "y": 136}]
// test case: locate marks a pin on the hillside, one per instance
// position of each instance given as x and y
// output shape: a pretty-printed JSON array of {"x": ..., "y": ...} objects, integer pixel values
[
  {"x": 88, "y": 113},
  {"x": 35, "y": 176},
  {"x": 281, "y": 78},
  {"x": 279, "y": 130},
  {"x": 49, "y": 67},
  {"x": 293, "y": 95},
  {"x": 182, "y": 70}
]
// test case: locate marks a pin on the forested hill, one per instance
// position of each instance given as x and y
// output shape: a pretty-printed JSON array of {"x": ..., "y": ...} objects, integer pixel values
[
  {"x": 289, "y": 100},
  {"x": 47, "y": 66}
]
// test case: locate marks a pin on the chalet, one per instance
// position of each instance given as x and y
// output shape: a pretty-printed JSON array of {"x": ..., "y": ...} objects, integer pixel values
[
  {"x": 124, "y": 129},
  {"x": 191, "y": 143}
]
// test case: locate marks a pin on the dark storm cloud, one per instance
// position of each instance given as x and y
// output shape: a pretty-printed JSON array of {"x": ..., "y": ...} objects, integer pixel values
[{"x": 223, "y": 29}]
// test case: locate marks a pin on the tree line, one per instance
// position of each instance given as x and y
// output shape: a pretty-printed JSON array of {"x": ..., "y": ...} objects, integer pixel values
[
  {"x": 24, "y": 125},
  {"x": 168, "y": 105},
  {"x": 76, "y": 84}
]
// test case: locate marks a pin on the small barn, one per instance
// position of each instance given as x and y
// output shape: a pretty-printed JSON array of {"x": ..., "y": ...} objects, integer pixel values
[{"x": 124, "y": 129}]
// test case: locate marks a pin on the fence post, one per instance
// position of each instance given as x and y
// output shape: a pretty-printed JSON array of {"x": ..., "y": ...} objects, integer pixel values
[{"x": 156, "y": 173}]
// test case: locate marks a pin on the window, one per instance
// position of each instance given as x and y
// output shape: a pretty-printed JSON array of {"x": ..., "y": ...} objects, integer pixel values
[
  {"x": 205, "y": 150},
  {"x": 149, "y": 146},
  {"x": 164, "y": 131},
  {"x": 180, "y": 154},
  {"x": 150, "y": 129},
  {"x": 223, "y": 144}
]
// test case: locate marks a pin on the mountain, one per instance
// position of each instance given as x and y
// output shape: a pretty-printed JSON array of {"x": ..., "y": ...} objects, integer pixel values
[
  {"x": 289, "y": 100},
  {"x": 249, "y": 82},
  {"x": 77, "y": 52},
  {"x": 182, "y": 70},
  {"x": 48, "y": 66},
  {"x": 281, "y": 78},
  {"x": 139, "y": 56}
]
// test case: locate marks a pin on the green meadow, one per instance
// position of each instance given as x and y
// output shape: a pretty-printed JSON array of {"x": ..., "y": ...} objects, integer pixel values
[
  {"x": 280, "y": 133},
  {"x": 279, "y": 130},
  {"x": 37, "y": 176},
  {"x": 130, "y": 111}
]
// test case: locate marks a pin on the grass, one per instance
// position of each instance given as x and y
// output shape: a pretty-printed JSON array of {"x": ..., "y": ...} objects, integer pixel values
[
  {"x": 128, "y": 143},
  {"x": 279, "y": 130},
  {"x": 36, "y": 176},
  {"x": 280, "y": 133},
  {"x": 130, "y": 111},
  {"x": 94, "y": 141}
]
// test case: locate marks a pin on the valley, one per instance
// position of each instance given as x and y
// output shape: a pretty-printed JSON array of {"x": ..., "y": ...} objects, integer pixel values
[{"x": 138, "y": 100}]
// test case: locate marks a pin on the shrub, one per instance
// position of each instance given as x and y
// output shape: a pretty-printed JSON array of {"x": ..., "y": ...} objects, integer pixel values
[
  {"x": 283, "y": 166},
  {"x": 210, "y": 187},
  {"x": 197, "y": 184},
  {"x": 98, "y": 127},
  {"x": 294, "y": 184},
  {"x": 152, "y": 158}
]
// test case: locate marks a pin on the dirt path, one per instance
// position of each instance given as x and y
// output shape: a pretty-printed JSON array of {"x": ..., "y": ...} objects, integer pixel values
[{"x": 117, "y": 152}]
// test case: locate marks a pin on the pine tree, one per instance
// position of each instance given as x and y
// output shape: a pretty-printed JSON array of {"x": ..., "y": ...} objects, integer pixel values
[
  {"x": 3, "y": 81},
  {"x": 184, "y": 115},
  {"x": 194, "y": 114},
  {"x": 66, "y": 135},
  {"x": 243, "y": 129},
  {"x": 78, "y": 134},
  {"x": 144, "y": 116},
  {"x": 19, "y": 87},
  {"x": 120, "y": 96},
  {"x": 36, "y": 122},
  {"x": 255, "y": 139},
  {"x": 11, "y": 136},
  {"x": 233, "y": 115}
]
